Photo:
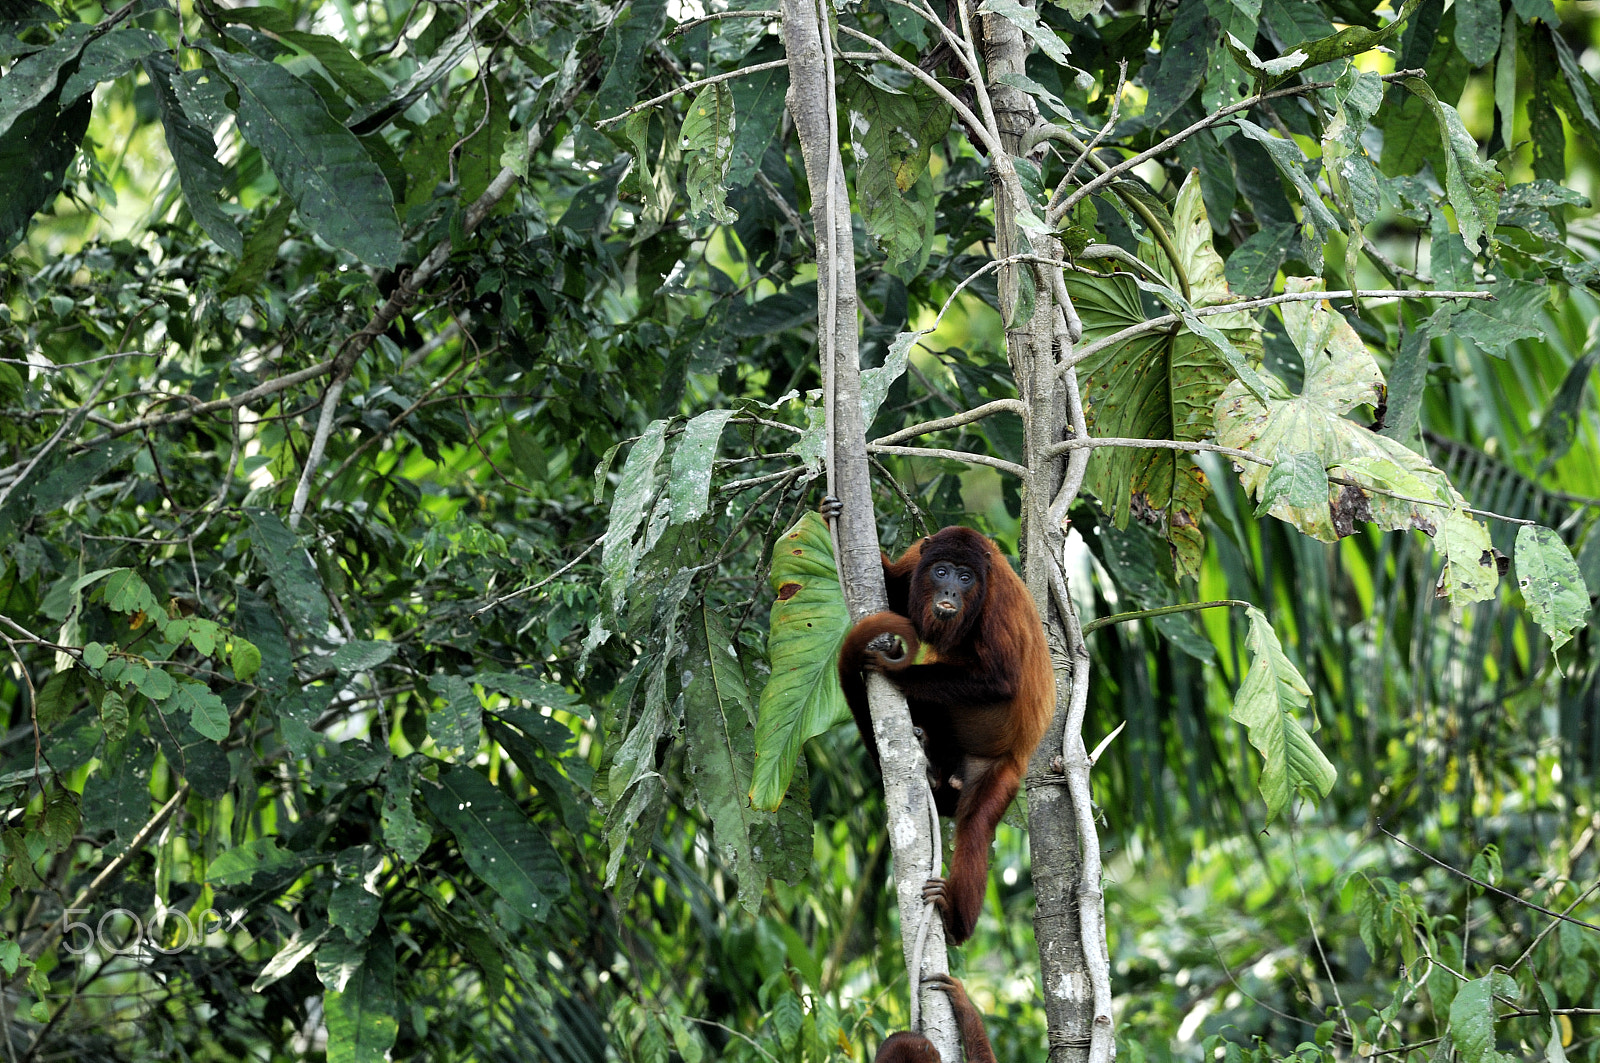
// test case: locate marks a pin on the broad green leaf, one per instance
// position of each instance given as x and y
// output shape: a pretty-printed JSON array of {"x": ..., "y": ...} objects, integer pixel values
[
  {"x": 207, "y": 714},
  {"x": 758, "y": 104},
  {"x": 260, "y": 250},
  {"x": 498, "y": 842},
  {"x": 707, "y": 145},
  {"x": 340, "y": 192},
  {"x": 478, "y": 160},
  {"x": 292, "y": 573},
  {"x": 1559, "y": 424},
  {"x": 1159, "y": 385},
  {"x": 1472, "y": 186},
  {"x": 809, "y": 620},
  {"x": 354, "y": 901},
  {"x": 127, "y": 593},
  {"x": 892, "y": 135},
  {"x": 402, "y": 830},
  {"x": 1408, "y": 376},
  {"x": 1352, "y": 174},
  {"x": 1552, "y": 586},
  {"x": 351, "y": 74},
  {"x": 95, "y": 655},
  {"x": 655, "y": 182},
  {"x": 719, "y": 740},
  {"x": 245, "y": 659},
  {"x": 59, "y": 822},
  {"x": 1253, "y": 266},
  {"x": 1298, "y": 481},
  {"x": 1515, "y": 314},
  {"x": 1470, "y": 572},
  {"x": 204, "y": 635},
  {"x": 1272, "y": 693},
  {"x": 1140, "y": 565},
  {"x": 455, "y": 725},
  {"x": 1478, "y": 29},
  {"x": 193, "y": 151},
  {"x": 32, "y": 80},
  {"x": 360, "y": 656},
  {"x": 156, "y": 684},
  {"x": 530, "y": 688},
  {"x": 446, "y": 57},
  {"x": 57, "y": 697},
  {"x": 634, "y": 30},
  {"x": 1472, "y": 1018},
  {"x": 689, "y": 486},
  {"x": 1290, "y": 161},
  {"x": 107, "y": 57},
  {"x": 1027, "y": 20},
  {"x": 619, "y": 552},
  {"x": 237, "y": 866},
  {"x": 114, "y": 716},
  {"x": 361, "y": 1018},
  {"x": 1185, "y": 49}
]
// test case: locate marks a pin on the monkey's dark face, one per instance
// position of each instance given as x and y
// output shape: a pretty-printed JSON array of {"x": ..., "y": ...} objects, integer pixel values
[
  {"x": 947, "y": 589},
  {"x": 948, "y": 586}
]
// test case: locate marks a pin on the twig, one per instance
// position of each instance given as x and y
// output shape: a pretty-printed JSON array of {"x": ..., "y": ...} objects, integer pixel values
[
  {"x": 883, "y": 54},
  {"x": 1096, "y": 183},
  {"x": 558, "y": 573},
  {"x": 107, "y": 873},
  {"x": 1488, "y": 888},
  {"x": 975, "y": 414},
  {"x": 1144, "y": 614},
  {"x": 1111, "y": 121},
  {"x": 1155, "y": 324},
  {"x": 685, "y": 27},
  {"x": 1094, "y": 443},
  {"x": 67, "y": 426},
  {"x": 1551, "y": 926},
  {"x": 714, "y": 79},
  {"x": 954, "y": 455}
]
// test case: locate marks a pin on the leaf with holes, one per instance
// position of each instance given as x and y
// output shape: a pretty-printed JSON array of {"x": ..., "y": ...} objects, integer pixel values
[
  {"x": 802, "y": 698},
  {"x": 1552, "y": 586},
  {"x": 1395, "y": 488}
]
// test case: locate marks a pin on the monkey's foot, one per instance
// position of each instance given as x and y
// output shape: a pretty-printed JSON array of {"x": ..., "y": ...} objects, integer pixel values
[{"x": 831, "y": 508}]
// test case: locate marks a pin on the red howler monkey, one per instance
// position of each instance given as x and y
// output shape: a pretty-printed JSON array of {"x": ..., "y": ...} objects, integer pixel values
[
  {"x": 963, "y": 642},
  {"x": 907, "y": 1047}
]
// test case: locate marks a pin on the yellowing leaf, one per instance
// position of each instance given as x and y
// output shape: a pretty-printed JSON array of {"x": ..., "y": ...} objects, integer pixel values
[{"x": 1341, "y": 375}]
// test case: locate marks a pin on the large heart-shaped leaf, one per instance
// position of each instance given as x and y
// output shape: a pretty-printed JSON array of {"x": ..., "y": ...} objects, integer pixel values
[{"x": 1159, "y": 385}]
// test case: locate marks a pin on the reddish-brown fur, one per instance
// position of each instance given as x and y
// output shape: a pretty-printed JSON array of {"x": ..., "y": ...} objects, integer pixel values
[
  {"x": 909, "y": 1047},
  {"x": 983, "y": 694}
]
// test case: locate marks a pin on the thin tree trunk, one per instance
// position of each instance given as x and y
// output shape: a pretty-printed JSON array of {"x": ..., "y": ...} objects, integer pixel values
[
  {"x": 1065, "y": 903},
  {"x": 912, "y": 835}
]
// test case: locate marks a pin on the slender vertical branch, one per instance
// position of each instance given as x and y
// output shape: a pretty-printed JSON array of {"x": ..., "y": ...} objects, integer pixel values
[{"x": 907, "y": 798}]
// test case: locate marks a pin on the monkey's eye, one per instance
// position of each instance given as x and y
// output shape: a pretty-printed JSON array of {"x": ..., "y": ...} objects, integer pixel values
[
  {"x": 941, "y": 572},
  {"x": 966, "y": 577}
]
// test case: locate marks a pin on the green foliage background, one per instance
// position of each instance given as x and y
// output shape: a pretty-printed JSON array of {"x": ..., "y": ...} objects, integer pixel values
[{"x": 461, "y": 757}]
